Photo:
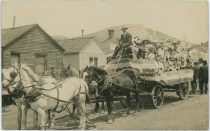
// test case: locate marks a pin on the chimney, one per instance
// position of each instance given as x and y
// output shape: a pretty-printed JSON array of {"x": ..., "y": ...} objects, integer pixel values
[
  {"x": 111, "y": 33},
  {"x": 13, "y": 24},
  {"x": 82, "y": 33}
]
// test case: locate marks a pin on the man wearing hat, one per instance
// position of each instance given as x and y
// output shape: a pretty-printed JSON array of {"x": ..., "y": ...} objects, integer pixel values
[
  {"x": 126, "y": 38},
  {"x": 148, "y": 49},
  {"x": 143, "y": 49},
  {"x": 124, "y": 42},
  {"x": 195, "y": 82},
  {"x": 175, "y": 48},
  {"x": 203, "y": 77}
]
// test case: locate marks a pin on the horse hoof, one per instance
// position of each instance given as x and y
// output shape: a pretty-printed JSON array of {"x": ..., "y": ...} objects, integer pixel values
[
  {"x": 110, "y": 121},
  {"x": 81, "y": 127},
  {"x": 128, "y": 112},
  {"x": 52, "y": 126}
]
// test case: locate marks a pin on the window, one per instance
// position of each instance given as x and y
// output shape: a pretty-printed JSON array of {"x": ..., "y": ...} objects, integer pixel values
[
  {"x": 93, "y": 61},
  {"x": 40, "y": 64},
  {"x": 15, "y": 58}
]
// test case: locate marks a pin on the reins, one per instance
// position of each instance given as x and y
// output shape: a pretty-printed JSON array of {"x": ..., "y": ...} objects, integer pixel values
[
  {"x": 36, "y": 92},
  {"x": 107, "y": 82}
]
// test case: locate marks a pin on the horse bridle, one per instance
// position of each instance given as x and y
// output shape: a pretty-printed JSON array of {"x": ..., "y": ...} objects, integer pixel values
[
  {"x": 92, "y": 74},
  {"x": 11, "y": 80},
  {"x": 19, "y": 82},
  {"x": 15, "y": 95},
  {"x": 99, "y": 81}
]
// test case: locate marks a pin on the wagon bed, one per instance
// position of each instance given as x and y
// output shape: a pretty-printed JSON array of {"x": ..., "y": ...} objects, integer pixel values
[{"x": 154, "y": 78}]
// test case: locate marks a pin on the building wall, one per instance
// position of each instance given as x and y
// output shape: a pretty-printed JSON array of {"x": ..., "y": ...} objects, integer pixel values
[
  {"x": 32, "y": 43},
  {"x": 72, "y": 59},
  {"x": 91, "y": 51}
]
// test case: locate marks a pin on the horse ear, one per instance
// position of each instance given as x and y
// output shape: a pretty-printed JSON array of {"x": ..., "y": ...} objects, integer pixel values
[{"x": 68, "y": 67}]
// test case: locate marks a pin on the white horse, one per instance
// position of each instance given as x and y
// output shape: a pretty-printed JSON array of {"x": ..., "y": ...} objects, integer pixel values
[
  {"x": 20, "y": 102},
  {"x": 69, "y": 90}
]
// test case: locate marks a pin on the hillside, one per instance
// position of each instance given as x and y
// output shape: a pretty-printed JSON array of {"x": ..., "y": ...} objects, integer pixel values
[
  {"x": 135, "y": 30},
  {"x": 108, "y": 45}
]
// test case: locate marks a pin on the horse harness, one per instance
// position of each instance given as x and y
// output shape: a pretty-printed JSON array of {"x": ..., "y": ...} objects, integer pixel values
[
  {"x": 35, "y": 93},
  {"x": 108, "y": 82}
]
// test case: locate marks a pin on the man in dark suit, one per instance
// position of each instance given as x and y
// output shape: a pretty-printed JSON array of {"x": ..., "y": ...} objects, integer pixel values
[
  {"x": 203, "y": 77},
  {"x": 124, "y": 42},
  {"x": 126, "y": 38},
  {"x": 195, "y": 82}
]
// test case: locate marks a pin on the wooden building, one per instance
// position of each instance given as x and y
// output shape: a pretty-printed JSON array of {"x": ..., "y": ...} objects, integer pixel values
[
  {"x": 82, "y": 52},
  {"x": 31, "y": 45}
]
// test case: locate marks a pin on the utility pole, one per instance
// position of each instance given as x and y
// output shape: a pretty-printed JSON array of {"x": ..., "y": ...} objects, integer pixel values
[
  {"x": 13, "y": 24},
  {"x": 83, "y": 33}
]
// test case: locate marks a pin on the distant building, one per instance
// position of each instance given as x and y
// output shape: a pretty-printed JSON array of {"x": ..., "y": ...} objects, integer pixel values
[
  {"x": 30, "y": 44},
  {"x": 108, "y": 38},
  {"x": 108, "y": 45},
  {"x": 82, "y": 52}
]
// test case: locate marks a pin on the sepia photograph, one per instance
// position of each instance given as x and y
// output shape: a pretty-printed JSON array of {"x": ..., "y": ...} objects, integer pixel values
[{"x": 104, "y": 64}]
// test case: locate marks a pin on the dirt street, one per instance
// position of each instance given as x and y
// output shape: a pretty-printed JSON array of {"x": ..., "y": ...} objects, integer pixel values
[{"x": 191, "y": 113}]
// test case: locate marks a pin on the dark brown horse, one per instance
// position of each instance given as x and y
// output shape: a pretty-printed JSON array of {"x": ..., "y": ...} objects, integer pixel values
[
  {"x": 73, "y": 72},
  {"x": 120, "y": 83}
]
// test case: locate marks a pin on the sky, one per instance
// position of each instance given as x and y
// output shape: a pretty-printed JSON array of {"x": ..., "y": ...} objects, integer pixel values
[{"x": 183, "y": 19}]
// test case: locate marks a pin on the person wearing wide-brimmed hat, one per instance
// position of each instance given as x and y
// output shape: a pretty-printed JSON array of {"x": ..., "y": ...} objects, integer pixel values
[
  {"x": 203, "y": 77},
  {"x": 143, "y": 50},
  {"x": 195, "y": 82},
  {"x": 124, "y": 42},
  {"x": 126, "y": 38},
  {"x": 146, "y": 42},
  {"x": 174, "y": 49}
]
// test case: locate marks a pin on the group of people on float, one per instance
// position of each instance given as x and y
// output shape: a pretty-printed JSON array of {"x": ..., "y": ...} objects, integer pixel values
[{"x": 168, "y": 53}]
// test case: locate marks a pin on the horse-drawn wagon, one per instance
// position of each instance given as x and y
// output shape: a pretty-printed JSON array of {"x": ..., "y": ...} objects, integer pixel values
[
  {"x": 143, "y": 78},
  {"x": 153, "y": 78}
]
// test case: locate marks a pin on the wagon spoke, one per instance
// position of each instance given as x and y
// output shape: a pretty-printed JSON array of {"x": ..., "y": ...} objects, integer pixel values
[
  {"x": 183, "y": 91},
  {"x": 159, "y": 100},
  {"x": 155, "y": 101},
  {"x": 157, "y": 97}
]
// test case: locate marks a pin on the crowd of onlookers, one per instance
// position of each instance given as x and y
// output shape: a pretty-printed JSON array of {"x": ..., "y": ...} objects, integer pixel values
[{"x": 200, "y": 76}]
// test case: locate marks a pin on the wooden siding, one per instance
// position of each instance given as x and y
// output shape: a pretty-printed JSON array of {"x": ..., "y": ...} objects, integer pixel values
[
  {"x": 72, "y": 59},
  {"x": 91, "y": 51},
  {"x": 32, "y": 43}
]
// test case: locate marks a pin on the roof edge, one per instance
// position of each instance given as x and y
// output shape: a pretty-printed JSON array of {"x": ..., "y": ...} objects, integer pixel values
[
  {"x": 8, "y": 43},
  {"x": 19, "y": 26},
  {"x": 54, "y": 41},
  {"x": 80, "y": 38},
  {"x": 86, "y": 46}
]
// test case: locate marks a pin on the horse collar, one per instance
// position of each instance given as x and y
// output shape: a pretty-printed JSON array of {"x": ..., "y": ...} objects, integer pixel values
[{"x": 33, "y": 95}]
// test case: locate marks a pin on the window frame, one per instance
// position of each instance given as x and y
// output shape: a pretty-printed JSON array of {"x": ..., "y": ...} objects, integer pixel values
[
  {"x": 14, "y": 54},
  {"x": 94, "y": 60}
]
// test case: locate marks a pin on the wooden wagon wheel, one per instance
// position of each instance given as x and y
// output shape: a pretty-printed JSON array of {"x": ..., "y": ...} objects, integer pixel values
[
  {"x": 157, "y": 96},
  {"x": 183, "y": 91}
]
